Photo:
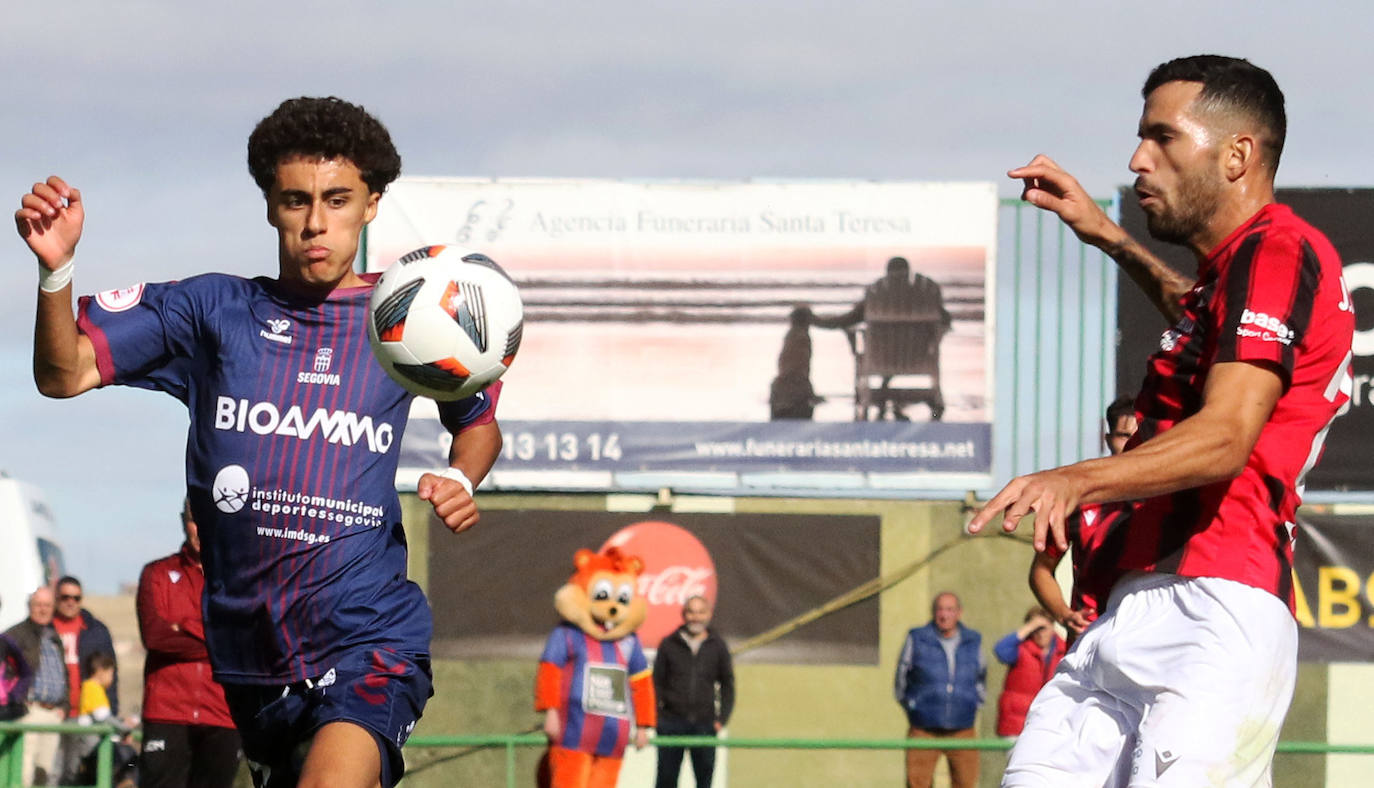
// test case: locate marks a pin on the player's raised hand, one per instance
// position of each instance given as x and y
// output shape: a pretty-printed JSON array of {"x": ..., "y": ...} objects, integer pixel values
[
  {"x": 1049, "y": 187},
  {"x": 1051, "y": 495},
  {"x": 452, "y": 502},
  {"x": 49, "y": 220}
]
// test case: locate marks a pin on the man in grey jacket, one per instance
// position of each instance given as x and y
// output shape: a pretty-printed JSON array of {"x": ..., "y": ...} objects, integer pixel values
[{"x": 42, "y": 649}]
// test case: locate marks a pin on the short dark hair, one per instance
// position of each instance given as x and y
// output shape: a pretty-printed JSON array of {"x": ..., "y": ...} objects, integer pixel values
[
  {"x": 1235, "y": 85},
  {"x": 100, "y": 660},
  {"x": 68, "y": 579},
  {"x": 1123, "y": 405},
  {"x": 328, "y": 128}
]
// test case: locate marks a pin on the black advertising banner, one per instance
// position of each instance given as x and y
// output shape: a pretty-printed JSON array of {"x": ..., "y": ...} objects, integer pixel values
[
  {"x": 492, "y": 588},
  {"x": 1344, "y": 216},
  {"x": 1334, "y": 568}
]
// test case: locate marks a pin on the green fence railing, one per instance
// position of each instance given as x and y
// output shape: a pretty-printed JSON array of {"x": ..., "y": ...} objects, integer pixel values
[
  {"x": 12, "y": 746},
  {"x": 12, "y": 749},
  {"x": 514, "y": 740}
]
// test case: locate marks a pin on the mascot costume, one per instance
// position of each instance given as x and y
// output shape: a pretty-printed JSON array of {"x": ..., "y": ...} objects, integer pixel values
[{"x": 593, "y": 673}]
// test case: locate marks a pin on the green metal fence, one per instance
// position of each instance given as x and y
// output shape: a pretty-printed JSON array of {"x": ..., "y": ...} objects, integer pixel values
[
  {"x": 12, "y": 749},
  {"x": 11, "y": 746},
  {"x": 510, "y": 742}
]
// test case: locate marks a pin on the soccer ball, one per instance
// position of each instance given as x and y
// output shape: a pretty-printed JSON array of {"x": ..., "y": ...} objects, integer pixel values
[{"x": 445, "y": 322}]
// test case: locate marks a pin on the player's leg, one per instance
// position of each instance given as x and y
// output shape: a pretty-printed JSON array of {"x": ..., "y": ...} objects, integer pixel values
[
  {"x": 342, "y": 755},
  {"x": 1076, "y": 731},
  {"x": 166, "y": 758},
  {"x": 963, "y": 764},
  {"x": 1227, "y": 667},
  {"x": 920, "y": 763},
  {"x": 378, "y": 692}
]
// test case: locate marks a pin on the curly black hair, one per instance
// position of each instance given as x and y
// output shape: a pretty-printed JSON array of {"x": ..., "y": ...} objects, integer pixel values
[{"x": 328, "y": 128}]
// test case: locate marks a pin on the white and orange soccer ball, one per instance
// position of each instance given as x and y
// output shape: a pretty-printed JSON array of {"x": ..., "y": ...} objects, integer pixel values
[{"x": 445, "y": 321}]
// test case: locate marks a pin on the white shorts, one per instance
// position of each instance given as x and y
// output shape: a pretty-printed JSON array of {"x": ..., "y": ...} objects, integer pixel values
[{"x": 1182, "y": 682}]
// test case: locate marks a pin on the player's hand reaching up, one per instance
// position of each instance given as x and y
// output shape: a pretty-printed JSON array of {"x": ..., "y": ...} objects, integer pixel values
[
  {"x": 1049, "y": 187},
  {"x": 452, "y": 502},
  {"x": 49, "y": 220},
  {"x": 1051, "y": 495}
]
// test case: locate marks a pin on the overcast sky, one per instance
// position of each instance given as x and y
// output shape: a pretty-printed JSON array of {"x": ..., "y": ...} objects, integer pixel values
[{"x": 146, "y": 107}]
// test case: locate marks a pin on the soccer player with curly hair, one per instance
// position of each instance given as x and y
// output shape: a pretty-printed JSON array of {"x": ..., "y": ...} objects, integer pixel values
[{"x": 320, "y": 641}]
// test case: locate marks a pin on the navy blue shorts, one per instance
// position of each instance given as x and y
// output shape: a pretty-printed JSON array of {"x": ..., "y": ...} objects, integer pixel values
[{"x": 381, "y": 690}]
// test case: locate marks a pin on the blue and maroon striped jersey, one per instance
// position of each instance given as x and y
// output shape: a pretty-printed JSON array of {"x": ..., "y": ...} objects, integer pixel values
[
  {"x": 291, "y": 460},
  {"x": 1272, "y": 294},
  {"x": 596, "y": 676}
]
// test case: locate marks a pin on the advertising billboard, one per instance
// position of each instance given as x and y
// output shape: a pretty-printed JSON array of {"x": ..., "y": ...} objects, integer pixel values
[{"x": 728, "y": 327}]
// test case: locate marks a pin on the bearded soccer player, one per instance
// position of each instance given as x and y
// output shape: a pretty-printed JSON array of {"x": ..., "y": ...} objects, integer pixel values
[
  {"x": 320, "y": 641},
  {"x": 1196, "y": 652}
]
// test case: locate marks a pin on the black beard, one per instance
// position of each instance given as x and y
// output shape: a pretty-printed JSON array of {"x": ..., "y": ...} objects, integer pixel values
[{"x": 1198, "y": 198}]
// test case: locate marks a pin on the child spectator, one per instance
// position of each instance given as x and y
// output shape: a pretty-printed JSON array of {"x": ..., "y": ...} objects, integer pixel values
[
  {"x": 1033, "y": 651},
  {"x": 95, "y": 708}
]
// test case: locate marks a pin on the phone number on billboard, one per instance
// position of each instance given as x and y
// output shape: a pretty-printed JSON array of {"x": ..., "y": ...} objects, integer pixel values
[{"x": 561, "y": 446}]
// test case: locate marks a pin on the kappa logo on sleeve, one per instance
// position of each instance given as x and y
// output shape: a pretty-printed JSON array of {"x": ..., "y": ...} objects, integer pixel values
[{"x": 120, "y": 300}]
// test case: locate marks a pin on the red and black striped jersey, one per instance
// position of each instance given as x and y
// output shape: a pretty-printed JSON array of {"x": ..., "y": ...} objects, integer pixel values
[
  {"x": 1270, "y": 294},
  {"x": 1094, "y": 534}
]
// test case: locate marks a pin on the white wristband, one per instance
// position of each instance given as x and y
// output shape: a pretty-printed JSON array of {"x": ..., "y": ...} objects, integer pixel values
[
  {"x": 458, "y": 476},
  {"x": 52, "y": 281}
]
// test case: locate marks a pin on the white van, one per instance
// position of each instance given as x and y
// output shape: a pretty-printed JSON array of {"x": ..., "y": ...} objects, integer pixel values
[{"x": 30, "y": 553}]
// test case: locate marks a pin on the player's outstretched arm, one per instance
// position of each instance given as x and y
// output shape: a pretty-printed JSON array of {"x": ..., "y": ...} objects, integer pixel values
[
  {"x": 50, "y": 219},
  {"x": 1045, "y": 588},
  {"x": 1049, "y": 187},
  {"x": 1210, "y": 446},
  {"x": 474, "y": 451}
]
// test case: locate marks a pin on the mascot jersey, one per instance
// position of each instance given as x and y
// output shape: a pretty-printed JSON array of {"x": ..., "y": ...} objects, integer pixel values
[
  {"x": 291, "y": 463},
  {"x": 595, "y": 677}
]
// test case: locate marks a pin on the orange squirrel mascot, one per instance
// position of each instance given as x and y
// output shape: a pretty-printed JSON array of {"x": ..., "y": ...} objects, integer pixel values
[{"x": 593, "y": 672}]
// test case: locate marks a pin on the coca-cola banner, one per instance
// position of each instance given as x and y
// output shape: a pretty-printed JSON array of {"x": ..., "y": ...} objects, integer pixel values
[
  {"x": 492, "y": 587},
  {"x": 1334, "y": 574},
  {"x": 1343, "y": 215}
]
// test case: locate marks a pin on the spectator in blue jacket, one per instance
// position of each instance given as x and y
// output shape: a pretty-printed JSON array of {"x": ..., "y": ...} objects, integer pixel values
[{"x": 940, "y": 683}]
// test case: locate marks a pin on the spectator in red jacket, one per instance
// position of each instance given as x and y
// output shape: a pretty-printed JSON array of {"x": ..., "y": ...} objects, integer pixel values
[
  {"x": 1033, "y": 652},
  {"x": 188, "y": 736}
]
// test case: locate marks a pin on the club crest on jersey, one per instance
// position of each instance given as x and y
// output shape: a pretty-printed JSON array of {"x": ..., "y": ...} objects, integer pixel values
[
  {"x": 121, "y": 299},
  {"x": 320, "y": 374},
  {"x": 1169, "y": 339},
  {"x": 276, "y": 331}
]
